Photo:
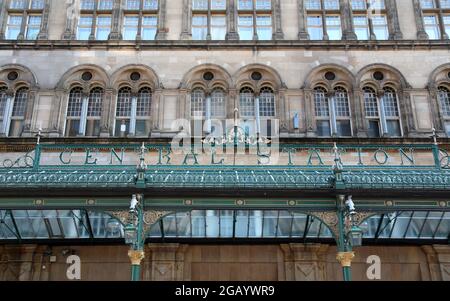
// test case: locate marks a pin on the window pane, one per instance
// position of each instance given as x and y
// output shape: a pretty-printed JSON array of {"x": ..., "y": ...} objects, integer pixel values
[
  {"x": 218, "y": 27},
  {"x": 393, "y": 128},
  {"x": 313, "y": 4},
  {"x": 247, "y": 103},
  {"x": 199, "y": 27},
  {"x": 321, "y": 103},
  {"x": 198, "y": 103},
  {"x": 427, "y": 4},
  {"x": 361, "y": 27},
  {"x": 331, "y": 4},
  {"x": 263, "y": 5},
  {"x": 105, "y": 4},
  {"x": 264, "y": 27},
  {"x": 334, "y": 27},
  {"x": 323, "y": 128},
  {"x": 200, "y": 4},
  {"x": 245, "y": 4},
  {"x": 374, "y": 129},
  {"x": 87, "y": 4},
  {"x": 20, "y": 103},
  {"x": 130, "y": 27},
  {"x": 218, "y": 4},
  {"x": 103, "y": 27},
  {"x": 267, "y": 103},
  {"x": 33, "y": 27},
  {"x": 245, "y": 27},
  {"x": 344, "y": 128},
  {"x": 84, "y": 27},
  {"x": 431, "y": 27},
  {"x": 315, "y": 29},
  {"x": 17, "y": 4},
  {"x": 37, "y": 4},
  {"x": 380, "y": 27},
  {"x": 13, "y": 27},
  {"x": 133, "y": 4},
  {"x": 150, "y": 4},
  {"x": 149, "y": 24}
]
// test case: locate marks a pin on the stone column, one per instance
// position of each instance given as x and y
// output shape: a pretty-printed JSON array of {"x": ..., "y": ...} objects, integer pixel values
[
  {"x": 186, "y": 20},
  {"x": 305, "y": 262},
  {"x": 302, "y": 15},
  {"x": 232, "y": 33},
  {"x": 161, "y": 33},
  {"x": 115, "y": 33},
  {"x": 278, "y": 29},
  {"x": 43, "y": 33},
  {"x": 395, "y": 32},
  {"x": 164, "y": 262},
  {"x": 348, "y": 32},
  {"x": 421, "y": 33}
]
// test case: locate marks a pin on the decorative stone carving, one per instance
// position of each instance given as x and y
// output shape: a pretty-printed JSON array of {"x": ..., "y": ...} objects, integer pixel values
[{"x": 345, "y": 258}]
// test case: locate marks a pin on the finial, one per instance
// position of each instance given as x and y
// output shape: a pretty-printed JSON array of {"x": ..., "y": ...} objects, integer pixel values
[
  {"x": 434, "y": 136},
  {"x": 38, "y": 136}
]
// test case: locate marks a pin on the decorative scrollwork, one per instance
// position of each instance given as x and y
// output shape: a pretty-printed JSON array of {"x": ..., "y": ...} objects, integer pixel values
[
  {"x": 151, "y": 217},
  {"x": 25, "y": 161}
]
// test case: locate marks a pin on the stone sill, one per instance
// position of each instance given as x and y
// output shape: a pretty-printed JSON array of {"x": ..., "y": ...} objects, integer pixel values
[{"x": 217, "y": 45}]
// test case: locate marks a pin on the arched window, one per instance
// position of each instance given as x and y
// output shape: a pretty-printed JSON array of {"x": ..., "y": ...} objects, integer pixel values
[
  {"x": 247, "y": 102},
  {"x": 18, "y": 112},
  {"x": 332, "y": 112},
  {"x": 198, "y": 104},
  {"x": 444, "y": 101},
  {"x": 84, "y": 112},
  {"x": 218, "y": 103},
  {"x": 382, "y": 113},
  {"x": 267, "y": 102},
  {"x": 123, "y": 112},
  {"x": 392, "y": 112},
  {"x": 133, "y": 112},
  {"x": 12, "y": 111},
  {"x": 3, "y": 108}
]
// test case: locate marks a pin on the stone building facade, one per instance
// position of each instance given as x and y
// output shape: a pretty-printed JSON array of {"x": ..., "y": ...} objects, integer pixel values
[{"x": 110, "y": 71}]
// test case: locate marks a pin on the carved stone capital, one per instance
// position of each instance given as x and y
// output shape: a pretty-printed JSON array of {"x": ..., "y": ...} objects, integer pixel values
[
  {"x": 136, "y": 256},
  {"x": 345, "y": 258}
]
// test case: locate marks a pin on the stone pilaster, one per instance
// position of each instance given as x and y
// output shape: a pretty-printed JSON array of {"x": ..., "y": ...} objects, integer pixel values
[
  {"x": 302, "y": 32},
  {"x": 232, "y": 33},
  {"x": 421, "y": 33},
  {"x": 43, "y": 33},
  {"x": 305, "y": 262},
  {"x": 395, "y": 32},
  {"x": 278, "y": 29},
  {"x": 115, "y": 33},
  {"x": 348, "y": 32},
  {"x": 105, "y": 121},
  {"x": 71, "y": 13},
  {"x": 161, "y": 33},
  {"x": 186, "y": 21}
]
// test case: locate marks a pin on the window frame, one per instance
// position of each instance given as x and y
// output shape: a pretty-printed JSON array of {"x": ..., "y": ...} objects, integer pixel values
[
  {"x": 142, "y": 13},
  {"x": 24, "y": 13},
  {"x": 209, "y": 12},
  {"x": 9, "y": 107},
  {"x": 367, "y": 12},
  {"x": 255, "y": 13},
  {"x": 440, "y": 14},
  {"x": 323, "y": 12}
]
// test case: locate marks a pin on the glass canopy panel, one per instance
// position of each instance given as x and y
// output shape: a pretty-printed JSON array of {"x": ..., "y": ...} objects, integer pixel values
[
  {"x": 408, "y": 225},
  {"x": 285, "y": 219},
  {"x": 298, "y": 224},
  {"x": 104, "y": 226},
  {"x": 431, "y": 224},
  {"x": 7, "y": 228},
  {"x": 183, "y": 220},
  {"x": 444, "y": 227},
  {"x": 226, "y": 223}
]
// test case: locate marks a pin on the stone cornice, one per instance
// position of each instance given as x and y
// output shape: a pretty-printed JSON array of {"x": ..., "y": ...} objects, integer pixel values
[{"x": 217, "y": 45}]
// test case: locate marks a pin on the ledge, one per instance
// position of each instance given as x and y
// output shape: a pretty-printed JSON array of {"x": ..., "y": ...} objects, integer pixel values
[{"x": 217, "y": 45}]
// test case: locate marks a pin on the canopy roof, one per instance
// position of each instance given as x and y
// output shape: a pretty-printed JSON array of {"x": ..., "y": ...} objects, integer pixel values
[{"x": 36, "y": 225}]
